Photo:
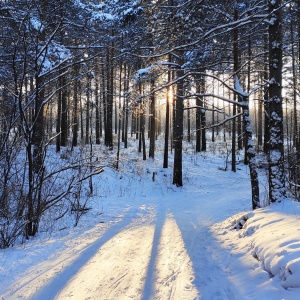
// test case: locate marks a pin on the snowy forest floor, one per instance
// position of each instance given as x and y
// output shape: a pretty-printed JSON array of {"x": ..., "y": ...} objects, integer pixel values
[{"x": 146, "y": 239}]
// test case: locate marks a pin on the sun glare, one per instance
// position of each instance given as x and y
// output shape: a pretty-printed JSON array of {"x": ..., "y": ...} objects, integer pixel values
[{"x": 170, "y": 94}]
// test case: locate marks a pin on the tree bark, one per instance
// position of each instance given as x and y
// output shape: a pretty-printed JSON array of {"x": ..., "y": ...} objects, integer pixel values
[
  {"x": 167, "y": 124},
  {"x": 64, "y": 111},
  {"x": 249, "y": 143},
  {"x": 178, "y": 127},
  {"x": 203, "y": 114},
  {"x": 109, "y": 102},
  {"x": 236, "y": 71},
  {"x": 198, "y": 120},
  {"x": 58, "y": 122},
  {"x": 152, "y": 122},
  {"x": 97, "y": 104},
  {"x": 75, "y": 110},
  {"x": 87, "y": 113},
  {"x": 266, "y": 96},
  {"x": 276, "y": 149},
  {"x": 250, "y": 154}
]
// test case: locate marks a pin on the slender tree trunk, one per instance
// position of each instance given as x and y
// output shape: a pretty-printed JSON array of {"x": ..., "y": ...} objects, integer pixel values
[
  {"x": 116, "y": 117},
  {"x": 297, "y": 142},
  {"x": 276, "y": 153},
  {"x": 81, "y": 119},
  {"x": 198, "y": 119},
  {"x": 140, "y": 114},
  {"x": 167, "y": 124},
  {"x": 75, "y": 110},
  {"x": 140, "y": 132},
  {"x": 38, "y": 128},
  {"x": 64, "y": 112},
  {"x": 174, "y": 89},
  {"x": 87, "y": 117},
  {"x": 236, "y": 70},
  {"x": 233, "y": 141},
  {"x": 104, "y": 76},
  {"x": 143, "y": 137},
  {"x": 137, "y": 125},
  {"x": 266, "y": 96},
  {"x": 178, "y": 127},
  {"x": 126, "y": 117},
  {"x": 239, "y": 130},
  {"x": 250, "y": 151},
  {"x": 97, "y": 111},
  {"x": 293, "y": 167},
  {"x": 213, "y": 114},
  {"x": 58, "y": 122},
  {"x": 124, "y": 96},
  {"x": 119, "y": 144},
  {"x": 126, "y": 108},
  {"x": 101, "y": 113},
  {"x": 203, "y": 113},
  {"x": 152, "y": 121},
  {"x": 62, "y": 115},
  {"x": 109, "y": 103},
  {"x": 188, "y": 121}
]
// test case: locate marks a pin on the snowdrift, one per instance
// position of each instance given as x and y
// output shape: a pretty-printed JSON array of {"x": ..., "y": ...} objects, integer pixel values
[{"x": 268, "y": 241}]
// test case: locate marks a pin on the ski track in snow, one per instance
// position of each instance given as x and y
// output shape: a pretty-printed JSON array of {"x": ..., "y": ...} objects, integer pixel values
[{"x": 159, "y": 248}]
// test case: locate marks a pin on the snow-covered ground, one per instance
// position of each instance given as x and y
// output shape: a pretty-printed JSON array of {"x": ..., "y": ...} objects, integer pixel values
[{"x": 147, "y": 239}]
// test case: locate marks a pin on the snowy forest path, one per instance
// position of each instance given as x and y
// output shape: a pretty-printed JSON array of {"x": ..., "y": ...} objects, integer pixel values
[
  {"x": 154, "y": 253},
  {"x": 158, "y": 247}
]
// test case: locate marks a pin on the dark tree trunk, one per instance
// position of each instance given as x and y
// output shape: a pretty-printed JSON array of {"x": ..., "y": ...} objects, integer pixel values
[
  {"x": 62, "y": 115},
  {"x": 58, "y": 122},
  {"x": 123, "y": 118},
  {"x": 276, "y": 150},
  {"x": 297, "y": 141},
  {"x": 152, "y": 122},
  {"x": 178, "y": 128},
  {"x": 87, "y": 113},
  {"x": 81, "y": 118},
  {"x": 140, "y": 114},
  {"x": 167, "y": 127},
  {"x": 126, "y": 108},
  {"x": 104, "y": 96},
  {"x": 109, "y": 103},
  {"x": 266, "y": 96},
  {"x": 126, "y": 116},
  {"x": 233, "y": 141},
  {"x": 64, "y": 112},
  {"x": 75, "y": 111},
  {"x": 213, "y": 115},
  {"x": 198, "y": 120},
  {"x": 236, "y": 70},
  {"x": 188, "y": 122},
  {"x": 38, "y": 128},
  {"x": 97, "y": 111},
  {"x": 143, "y": 137},
  {"x": 203, "y": 114},
  {"x": 119, "y": 144}
]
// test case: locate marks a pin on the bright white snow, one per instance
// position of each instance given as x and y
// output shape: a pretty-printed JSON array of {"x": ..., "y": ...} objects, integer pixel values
[{"x": 147, "y": 239}]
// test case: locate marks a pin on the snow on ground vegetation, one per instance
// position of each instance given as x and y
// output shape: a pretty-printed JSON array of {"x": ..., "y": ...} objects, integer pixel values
[
  {"x": 143, "y": 238},
  {"x": 266, "y": 244}
]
